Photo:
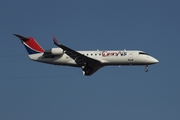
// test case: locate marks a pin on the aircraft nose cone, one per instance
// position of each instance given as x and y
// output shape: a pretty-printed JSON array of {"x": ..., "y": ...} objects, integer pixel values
[{"x": 154, "y": 60}]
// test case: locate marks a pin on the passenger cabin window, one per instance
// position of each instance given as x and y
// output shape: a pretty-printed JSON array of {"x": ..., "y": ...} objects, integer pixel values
[{"x": 142, "y": 53}]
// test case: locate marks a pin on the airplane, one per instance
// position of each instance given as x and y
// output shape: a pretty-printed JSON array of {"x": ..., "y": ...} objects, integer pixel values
[{"x": 88, "y": 61}]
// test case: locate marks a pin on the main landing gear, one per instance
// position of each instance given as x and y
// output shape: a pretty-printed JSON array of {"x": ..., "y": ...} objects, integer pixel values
[
  {"x": 86, "y": 69},
  {"x": 146, "y": 68}
]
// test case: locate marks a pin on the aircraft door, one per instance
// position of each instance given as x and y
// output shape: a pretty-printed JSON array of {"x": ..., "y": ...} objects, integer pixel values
[{"x": 130, "y": 57}]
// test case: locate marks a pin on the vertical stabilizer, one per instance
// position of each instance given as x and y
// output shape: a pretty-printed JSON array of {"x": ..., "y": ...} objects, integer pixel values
[{"x": 30, "y": 44}]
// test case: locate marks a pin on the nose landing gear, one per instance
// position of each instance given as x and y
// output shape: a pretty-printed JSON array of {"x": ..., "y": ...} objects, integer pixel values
[{"x": 146, "y": 68}]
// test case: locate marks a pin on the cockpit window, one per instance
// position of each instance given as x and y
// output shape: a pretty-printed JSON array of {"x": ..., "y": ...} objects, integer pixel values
[{"x": 142, "y": 53}]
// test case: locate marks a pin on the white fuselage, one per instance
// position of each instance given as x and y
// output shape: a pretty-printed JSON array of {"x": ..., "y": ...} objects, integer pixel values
[
  {"x": 88, "y": 61},
  {"x": 106, "y": 57}
]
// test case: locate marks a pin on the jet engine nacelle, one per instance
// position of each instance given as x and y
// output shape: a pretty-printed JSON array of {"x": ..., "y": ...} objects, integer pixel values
[{"x": 54, "y": 51}]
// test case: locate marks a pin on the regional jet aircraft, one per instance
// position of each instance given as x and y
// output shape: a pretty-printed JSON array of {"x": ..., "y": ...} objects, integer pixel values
[{"x": 88, "y": 61}]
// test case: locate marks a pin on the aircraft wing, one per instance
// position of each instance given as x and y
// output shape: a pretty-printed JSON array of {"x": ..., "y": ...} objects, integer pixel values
[{"x": 89, "y": 65}]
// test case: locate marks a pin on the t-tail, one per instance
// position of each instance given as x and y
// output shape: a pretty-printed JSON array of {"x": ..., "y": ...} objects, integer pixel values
[{"x": 30, "y": 44}]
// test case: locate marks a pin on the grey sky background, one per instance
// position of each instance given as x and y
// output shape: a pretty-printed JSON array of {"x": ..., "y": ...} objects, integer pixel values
[{"x": 31, "y": 90}]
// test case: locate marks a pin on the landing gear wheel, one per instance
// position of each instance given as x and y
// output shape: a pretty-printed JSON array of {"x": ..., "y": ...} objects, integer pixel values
[
  {"x": 86, "y": 69},
  {"x": 146, "y": 68}
]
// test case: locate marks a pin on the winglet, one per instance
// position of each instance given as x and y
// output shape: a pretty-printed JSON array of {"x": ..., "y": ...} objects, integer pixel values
[{"x": 55, "y": 41}]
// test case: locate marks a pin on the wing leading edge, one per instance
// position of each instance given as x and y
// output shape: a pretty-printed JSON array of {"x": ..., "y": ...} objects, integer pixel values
[{"x": 88, "y": 65}]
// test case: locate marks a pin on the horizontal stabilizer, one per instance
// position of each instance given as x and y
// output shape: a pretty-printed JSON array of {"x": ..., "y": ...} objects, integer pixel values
[{"x": 21, "y": 37}]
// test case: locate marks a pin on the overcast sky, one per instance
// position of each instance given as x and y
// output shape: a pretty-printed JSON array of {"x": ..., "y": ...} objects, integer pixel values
[{"x": 35, "y": 91}]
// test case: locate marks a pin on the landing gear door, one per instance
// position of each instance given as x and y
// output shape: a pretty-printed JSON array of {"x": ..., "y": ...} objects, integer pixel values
[{"x": 130, "y": 57}]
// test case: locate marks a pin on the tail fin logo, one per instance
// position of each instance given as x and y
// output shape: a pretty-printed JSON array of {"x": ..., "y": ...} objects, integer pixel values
[{"x": 30, "y": 44}]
